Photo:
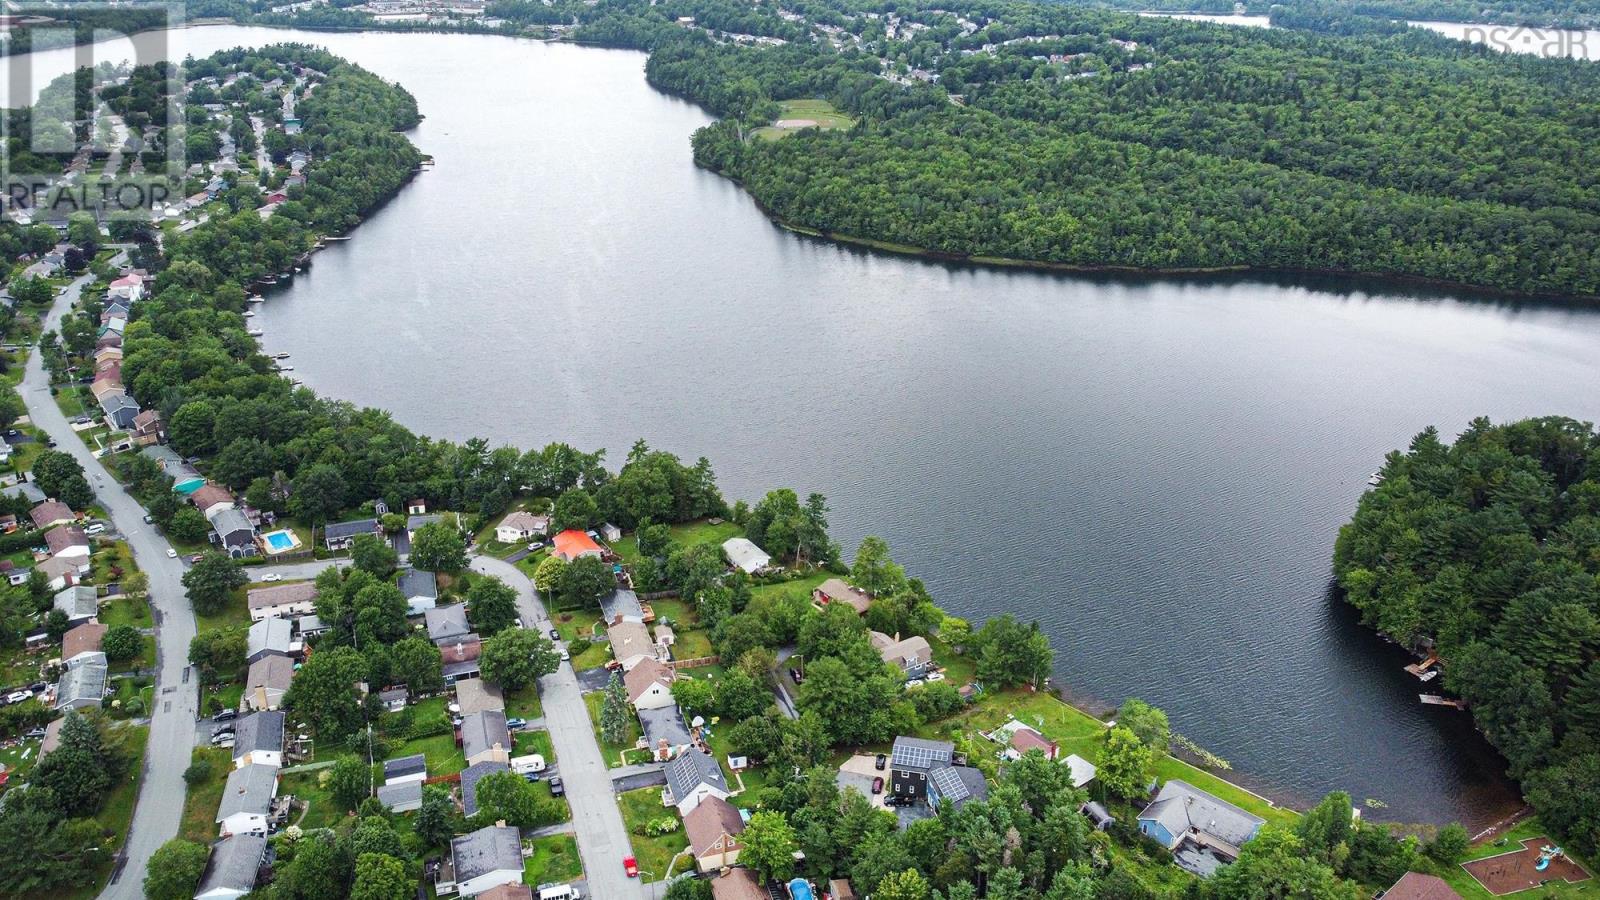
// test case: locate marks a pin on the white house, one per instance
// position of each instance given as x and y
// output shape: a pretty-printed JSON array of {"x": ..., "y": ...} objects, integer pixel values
[
  {"x": 286, "y": 601},
  {"x": 745, "y": 555},
  {"x": 692, "y": 777},
  {"x": 483, "y": 859},
  {"x": 247, "y": 800},
  {"x": 231, "y": 871},
  {"x": 630, "y": 644},
  {"x": 258, "y": 741},
  {"x": 649, "y": 685},
  {"x": 520, "y": 526}
]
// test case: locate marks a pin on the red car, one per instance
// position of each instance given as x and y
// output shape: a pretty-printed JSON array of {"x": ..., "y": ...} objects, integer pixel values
[
  {"x": 631, "y": 866},
  {"x": 877, "y": 785}
]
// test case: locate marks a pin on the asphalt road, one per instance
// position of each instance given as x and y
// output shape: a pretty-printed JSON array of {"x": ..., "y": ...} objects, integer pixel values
[
  {"x": 602, "y": 838},
  {"x": 160, "y": 806}
]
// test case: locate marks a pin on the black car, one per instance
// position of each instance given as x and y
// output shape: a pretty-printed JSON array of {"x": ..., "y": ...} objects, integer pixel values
[
  {"x": 880, "y": 762},
  {"x": 555, "y": 635},
  {"x": 225, "y": 715},
  {"x": 557, "y": 789},
  {"x": 794, "y": 675}
]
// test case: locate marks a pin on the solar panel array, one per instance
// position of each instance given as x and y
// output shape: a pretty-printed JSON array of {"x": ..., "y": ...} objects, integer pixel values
[{"x": 921, "y": 754}]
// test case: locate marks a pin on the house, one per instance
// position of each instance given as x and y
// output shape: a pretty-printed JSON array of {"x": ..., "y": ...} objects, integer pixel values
[
  {"x": 51, "y": 513},
  {"x": 60, "y": 573},
  {"x": 267, "y": 637},
  {"x": 912, "y": 655},
  {"x": 447, "y": 623},
  {"x": 713, "y": 828},
  {"x": 572, "y": 544},
  {"x": 621, "y": 606},
  {"x": 418, "y": 507},
  {"x": 912, "y": 760},
  {"x": 1097, "y": 815},
  {"x": 120, "y": 410},
  {"x": 521, "y": 525},
  {"x": 649, "y": 685},
  {"x": 471, "y": 775},
  {"x": 105, "y": 356},
  {"x": 461, "y": 658},
  {"x": 665, "y": 732},
  {"x": 247, "y": 800},
  {"x": 148, "y": 427},
  {"x": 1082, "y": 770},
  {"x": 1417, "y": 886},
  {"x": 483, "y": 859},
  {"x": 484, "y": 737},
  {"x": 421, "y": 590},
  {"x": 81, "y": 603},
  {"x": 231, "y": 871},
  {"x": 67, "y": 541},
  {"x": 267, "y": 681},
  {"x": 507, "y": 892},
  {"x": 745, "y": 556},
  {"x": 1024, "y": 739},
  {"x": 956, "y": 784},
  {"x": 340, "y": 535},
  {"x": 107, "y": 381},
  {"x": 288, "y": 601},
  {"x": 258, "y": 740},
  {"x": 1203, "y": 832},
  {"x": 630, "y": 644},
  {"x": 738, "y": 884},
  {"x": 211, "y": 499},
  {"x": 691, "y": 778},
  {"x": 665, "y": 638},
  {"x": 474, "y": 695},
  {"x": 402, "y": 796},
  {"x": 394, "y": 699},
  {"x": 83, "y": 684},
  {"x": 234, "y": 533},
  {"x": 310, "y": 626},
  {"x": 83, "y": 639},
  {"x": 405, "y": 768},
  {"x": 130, "y": 286},
  {"x": 611, "y": 533},
  {"x": 836, "y": 591}
]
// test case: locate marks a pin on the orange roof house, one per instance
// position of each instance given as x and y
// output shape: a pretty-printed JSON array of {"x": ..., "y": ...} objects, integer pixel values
[{"x": 572, "y": 543}]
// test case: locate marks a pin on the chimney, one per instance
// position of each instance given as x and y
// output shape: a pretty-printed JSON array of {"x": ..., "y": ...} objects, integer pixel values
[{"x": 499, "y": 823}]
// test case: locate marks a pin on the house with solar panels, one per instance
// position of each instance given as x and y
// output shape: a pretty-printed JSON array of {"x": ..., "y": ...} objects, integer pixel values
[{"x": 926, "y": 771}]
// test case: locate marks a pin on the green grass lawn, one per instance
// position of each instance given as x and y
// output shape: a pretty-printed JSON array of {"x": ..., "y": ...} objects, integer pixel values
[
  {"x": 1469, "y": 888},
  {"x": 200, "y": 806},
  {"x": 444, "y": 757},
  {"x": 19, "y": 758},
  {"x": 687, "y": 535},
  {"x": 145, "y": 659},
  {"x": 815, "y": 113},
  {"x": 226, "y": 695},
  {"x": 801, "y": 587},
  {"x": 321, "y": 811},
  {"x": 534, "y": 741},
  {"x": 117, "y": 814},
  {"x": 612, "y": 752},
  {"x": 653, "y": 853},
  {"x": 133, "y": 611},
  {"x": 524, "y": 704},
  {"x": 754, "y": 779},
  {"x": 234, "y": 612},
  {"x": 554, "y": 860}
]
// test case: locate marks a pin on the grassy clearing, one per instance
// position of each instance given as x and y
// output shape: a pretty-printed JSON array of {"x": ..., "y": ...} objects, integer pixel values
[
  {"x": 133, "y": 611},
  {"x": 813, "y": 113},
  {"x": 534, "y": 741},
  {"x": 653, "y": 853},
  {"x": 685, "y": 535},
  {"x": 200, "y": 806},
  {"x": 801, "y": 587},
  {"x": 524, "y": 704},
  {"x": 234, "y": 612},
  {"x": 612, "y": 752},
  {"x": 554, "y": 859}
]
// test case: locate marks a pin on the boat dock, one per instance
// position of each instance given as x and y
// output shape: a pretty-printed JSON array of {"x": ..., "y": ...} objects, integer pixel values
[
  {"x": 1436, "y": 700},
  {"x": 1421, "y": 669}
]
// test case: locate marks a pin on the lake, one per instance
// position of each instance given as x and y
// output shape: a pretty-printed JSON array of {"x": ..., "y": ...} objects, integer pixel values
[{"x": 1153, "y": 468}]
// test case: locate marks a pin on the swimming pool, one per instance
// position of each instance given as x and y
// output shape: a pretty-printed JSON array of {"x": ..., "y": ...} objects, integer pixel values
[
  {"x": 280, "y": 541},
  {"x": 189, "y": 486}
]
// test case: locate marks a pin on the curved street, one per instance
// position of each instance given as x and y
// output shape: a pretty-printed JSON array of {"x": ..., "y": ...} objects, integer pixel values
[{"x": 160, "y": 804}]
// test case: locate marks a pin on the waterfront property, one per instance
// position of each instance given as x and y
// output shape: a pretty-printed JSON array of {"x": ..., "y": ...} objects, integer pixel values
[
  {"x": 1203, "y": 831},
  {"x": 836, "y": 591},
  {"x": 745, "y": 556}
]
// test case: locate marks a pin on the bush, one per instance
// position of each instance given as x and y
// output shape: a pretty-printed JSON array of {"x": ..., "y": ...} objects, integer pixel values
[
  {"x": 659, "y": 827},
  {"x": 577, "y": 645},
  {"x": 199, "y": 772}
]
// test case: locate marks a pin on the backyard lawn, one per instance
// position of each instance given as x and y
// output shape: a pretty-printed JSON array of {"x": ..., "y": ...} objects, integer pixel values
[
  {"x": 685, "y": 535},
  {"x": 554, "y": 860},
  {"x": 612, "y": 752},
  {"x": 133, "y": 611},
  {"x": 200, "y": 806},
  {"x": 235, "y": 612},
  {"x": 1469, "y": 888},
  {"x": 653, "y": 853},
  {"x": 798, "y": 587}
]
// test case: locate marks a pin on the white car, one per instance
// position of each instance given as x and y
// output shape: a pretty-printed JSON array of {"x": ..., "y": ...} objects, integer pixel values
[
  {"x": 272, "y": 576},
  {"x": 18, "y": 696},
  {"x": 565, "y": 656},
  {"x": 171, "y": 553},
  {"x": 933, "y": 676}
]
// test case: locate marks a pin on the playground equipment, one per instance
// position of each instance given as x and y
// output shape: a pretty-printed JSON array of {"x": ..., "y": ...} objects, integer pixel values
[{"x": 1546, "y": 854}]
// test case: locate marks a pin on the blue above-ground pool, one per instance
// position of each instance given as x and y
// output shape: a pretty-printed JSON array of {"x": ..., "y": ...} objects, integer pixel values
[{"x": 800, "y": 889}]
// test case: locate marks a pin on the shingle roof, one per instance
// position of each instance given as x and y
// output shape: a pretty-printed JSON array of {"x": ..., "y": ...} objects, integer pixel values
[
  {"x": 272, "y": 672},
  {"x": 1181, "y": 806},
  {"x": 341, "y": 530},
  {"x": 250, "y": 789},
  {"x": 470, "y": 776},
  {"x": 838, "y": 592},
  {"x": 401, "y": 793},
  {"x": 281, "y": 594},
  {"x": 738, "y": 884},
  {"x": 210, "y": 495},
  {"x": 692, "y": 768},
  {"x": 643, "y": 676},
  {"x": 269, "y": 636},
  {"x": 230, "y": 522},
  {"x": 475, "y": 695},
  {"x": 481, "y": 731},
  {"x": 744, "y": 554},
  {"x": 85, "y": 638},
  {"x": 709, "y": 821},
  {"x": 233, "y": 865},
  {"x": 260, "y": 731},
  {"x": 921, "y": 754},
  {"x": 401, "y": 766},
  {"x": 80, "y": 601},
  {"x": 958, "y": 784},
  {"x": 572, "y": 543},
  {"x": 486, "y": 850},
  {"x": 629, "y": 639},
  {"x": 81, "y": 683},
  {"x": 507, "y": 892},
  {"x": 522, "y": 520},
  {"x": 447, "y": 622},
  {"x": 61, "y": 537},
  {"x": 51, "y": 511},
  {"x": 621, "y": 603},
  {"x": 419, "y": 583},
  {"x": 1417, "y": 886}
]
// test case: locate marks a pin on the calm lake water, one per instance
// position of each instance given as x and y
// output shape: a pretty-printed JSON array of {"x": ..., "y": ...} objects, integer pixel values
[{"x": 1155, "y": 469}]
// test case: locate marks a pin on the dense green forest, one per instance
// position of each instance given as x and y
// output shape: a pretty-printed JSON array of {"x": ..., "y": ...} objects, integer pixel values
[
  {"x": 1488, "y": 552},
  {"x": 69, "y": 26},
  {"x": 1059, "y": 135},
  {"x": 1548, "y": 13}
]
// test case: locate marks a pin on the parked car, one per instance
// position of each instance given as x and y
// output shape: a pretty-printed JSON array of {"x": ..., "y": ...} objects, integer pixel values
[
  {"x": 18, "y": 696},
  {"x": 148, "y": 519},
  {"x": 555, "y": 635},
  {"x": 226, "y": 715},
  {"x": 880, "y": 762},
  {"x": 171, "y": 553},
  {"x": 515, "y": 724},
  {"x": 557, "y": 789},
  {"x": 535, "y": 545},
  {"x": 565, "y": 656},
  {"x": 272, "y": 576},
  {"x": 35, "y": 733},
  {"x": 223, "y": 740},
  {"x": 877, "y": 785},
  {"x": 794, "y": 675},
  {"x": 631, "y": 866},
  {"x": 96, "y": 528},
  {"x": 933, "y": 676}
]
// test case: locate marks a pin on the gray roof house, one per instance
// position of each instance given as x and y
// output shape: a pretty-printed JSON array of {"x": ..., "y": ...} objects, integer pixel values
[
  {"x": 258, "y": 737},
  {"x": 340, "y": 535},
  {"x": 79, "y": 602},
  {"x": 484, "y": 736},
  {"x": 486, "y": 858},
  {"x": 692, "y": 777},
  {"x": 447, "y": 623},
  {"x": 231, "y": 871},
  {"x": 268, "y": 637},
  {"x": 401, "y": 796},
  {"x": 247, "y": 799},
  {"x": 83, "y": 684},
  {"x": 235, "y": 534},
  {"x": 421, "y": 590},
  {"x": 470, "y": 776},
  {"x": 664, "y": 729},
  {"x": 958, "y": 784},
  {"x": 120, "y": 409},
  {"x": 1202, "y": 831},
  {"x": 621, "y": 606},
  {"x": 405, "y": 768}
]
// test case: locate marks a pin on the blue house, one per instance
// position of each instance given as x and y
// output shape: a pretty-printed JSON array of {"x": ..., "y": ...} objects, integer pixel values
[{"x": 1202, "y": 831}]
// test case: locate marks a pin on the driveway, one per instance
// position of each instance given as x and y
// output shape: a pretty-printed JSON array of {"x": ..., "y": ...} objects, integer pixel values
[
  {"x": 295, "y": 571},
  {"x": 594, "y": 679},
  {"x": 596, "y": 820},
  {"x": 160, "y": 804},
  {"x": 632, "y": 782}
]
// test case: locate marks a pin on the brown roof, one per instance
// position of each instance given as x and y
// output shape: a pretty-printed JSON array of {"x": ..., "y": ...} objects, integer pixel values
[
  {"x": 738, "y": 884},
  {"x": 51, "y": 511},
  {"x": 83, "y": 639},
  {"x": 646, "y": 673},
  {"x": 629, "y": 639},
  {"x": 507, "y": 892},
  {"x": 474, "y": 695},
  {"x": 147, "y": 419},
  {"x": 841, "y": 889},
  {"x": 712, "y": 819},
  {"x": 838, "y": 592},
  {"x": 61, "y": 537},
  {"x": 210, "y": 495},
  {"x": 1025, "y": 739},
  {"x": 1417, "y": 886},
  {"x": 273, "y": 672},
  {"x": 280, "y": 594},
  {"x": 463, "y": 649}
]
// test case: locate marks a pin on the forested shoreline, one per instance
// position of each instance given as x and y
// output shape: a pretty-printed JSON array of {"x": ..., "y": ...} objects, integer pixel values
[{"x": 1487, "y": 552}]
